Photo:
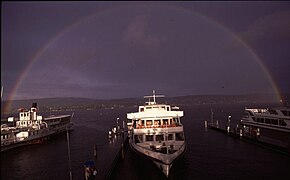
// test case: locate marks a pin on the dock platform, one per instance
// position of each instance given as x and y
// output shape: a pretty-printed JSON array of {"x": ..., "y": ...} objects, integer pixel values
[
  {"x": 236, "y": 133},
  {"x": 110, "y": 154}
]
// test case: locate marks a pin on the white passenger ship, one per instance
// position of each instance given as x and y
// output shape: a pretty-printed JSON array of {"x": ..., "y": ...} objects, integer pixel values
[
  {"x": 156, "y": 132},
  {"x": 270, "y": 125},
  {"x": 30, "y": 128}
]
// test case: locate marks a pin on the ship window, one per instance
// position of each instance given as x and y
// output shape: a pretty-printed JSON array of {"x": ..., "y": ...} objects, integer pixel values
[
  {"x": 148, "y": 107},
  {"x": 149, "y": 123},
  {"x": 268, "y": 121},
  {"x": 179, "y": 137},
  {"x": 275, "y": 121},
  {"x": 157, "y": 122},
  {"x": 134, "y": 124},
  {"x": 159, "y": 137},
  {"x": 170, "y": 137},
  {"x": 141, "y": 109},
  {"x": 282, "y": 123},
  {"x": 149, "y": 137},
  {"x": 260, "y": 120},
  {"x": 176, "y": 120},
  {"x": 165, "y": 121}
]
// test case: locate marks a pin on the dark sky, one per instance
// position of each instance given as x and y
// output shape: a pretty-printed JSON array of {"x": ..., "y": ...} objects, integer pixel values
[{"x": 107, "y": 50}]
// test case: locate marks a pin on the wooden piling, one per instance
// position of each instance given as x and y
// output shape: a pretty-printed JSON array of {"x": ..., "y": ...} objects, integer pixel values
[
  {"x": 122, "y": 150},
  {"x": 95, "y": 151}
]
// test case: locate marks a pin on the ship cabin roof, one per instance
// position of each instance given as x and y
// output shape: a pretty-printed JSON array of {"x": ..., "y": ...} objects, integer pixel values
[
  {"x": 280, "y": 111},
  {"x": 154, "y": 107}
]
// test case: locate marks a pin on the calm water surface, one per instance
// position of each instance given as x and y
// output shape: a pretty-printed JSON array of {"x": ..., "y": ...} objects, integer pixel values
[{"x": 209, "y": 154}]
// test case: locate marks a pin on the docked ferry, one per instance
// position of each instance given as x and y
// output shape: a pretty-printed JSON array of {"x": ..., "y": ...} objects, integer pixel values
[
  {"x": 270, "y": 125},
  {"x": 156, "y": 132},
  {"x": 30, "y": 128}
]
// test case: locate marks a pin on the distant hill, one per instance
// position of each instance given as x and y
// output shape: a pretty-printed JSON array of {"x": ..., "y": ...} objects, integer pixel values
[
  {"x": 48, "y": 104},
  {"x": 68, "y": 103}
]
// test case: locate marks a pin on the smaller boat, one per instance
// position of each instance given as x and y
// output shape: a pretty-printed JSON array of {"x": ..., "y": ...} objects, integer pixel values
[
  {"x": 271, "y": 125},
  {"x": 30, "y": 128}
]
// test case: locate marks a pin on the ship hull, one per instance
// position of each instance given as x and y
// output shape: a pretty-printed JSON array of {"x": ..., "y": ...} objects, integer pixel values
[
  {"x": 272, "y": 135},
  {"x": 41, "y": 136},
  {"x": 163, "y": 161},
  {"x": 35, "y": 140}
]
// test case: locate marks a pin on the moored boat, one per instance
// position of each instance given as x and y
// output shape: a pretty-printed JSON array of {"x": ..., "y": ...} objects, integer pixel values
[
  {"x": 270, "y": 125},
  {"x": 156, "y": 132},
  {"x": 30, "y": 128}
]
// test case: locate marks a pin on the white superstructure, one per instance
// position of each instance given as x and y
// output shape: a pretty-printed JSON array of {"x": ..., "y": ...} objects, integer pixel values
[
  {"x": 157, "y": 133},
  {"x": 275, "y": 118},
  {"x": 267, "y": 125},
  {"x": 30, "y": 128}
]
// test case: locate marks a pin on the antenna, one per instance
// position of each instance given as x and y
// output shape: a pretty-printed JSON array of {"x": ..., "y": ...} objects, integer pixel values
[
  {"x": 154, "y": 97},
  {"x": 1, "y": 91}
]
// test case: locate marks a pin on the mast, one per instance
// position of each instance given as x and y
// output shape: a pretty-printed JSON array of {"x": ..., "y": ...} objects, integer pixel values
[
  {"x": 154, "y": 96},
  {"x": 1, "y": 91}
]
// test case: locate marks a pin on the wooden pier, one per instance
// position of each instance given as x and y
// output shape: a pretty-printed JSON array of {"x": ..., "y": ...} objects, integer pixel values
[
  {"x": 254, "y": 139},
  {"x": 111, "y": 153}
]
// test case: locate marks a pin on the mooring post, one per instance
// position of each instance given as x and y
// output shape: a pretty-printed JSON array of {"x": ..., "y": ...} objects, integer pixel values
[
  {"x": 118, "y": 127},
  {"x": 229, "y": 124},
  {"x": 122, "y": 150},
  {"x": 95, "y": 151},
  {"x": 288, "y": 148},
  {"x": 68, "y": 149}
]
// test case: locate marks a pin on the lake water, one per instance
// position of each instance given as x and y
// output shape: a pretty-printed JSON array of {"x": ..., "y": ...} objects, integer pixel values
[{"x": 209, "y": 154}]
